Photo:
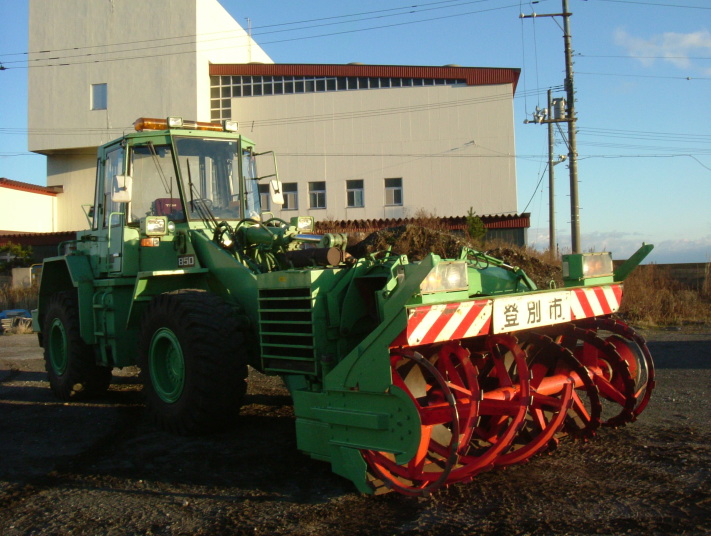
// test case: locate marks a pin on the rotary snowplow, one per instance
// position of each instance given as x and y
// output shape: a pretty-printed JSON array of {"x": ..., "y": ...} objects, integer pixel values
[{"x": 405, "y": 376}]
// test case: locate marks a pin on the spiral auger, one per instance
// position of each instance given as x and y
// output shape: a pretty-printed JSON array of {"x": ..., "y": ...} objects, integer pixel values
[
  {"x": 633, "y": 349},
  {"x": 505, "y": 378},
  {"x": 545, "y": 414},
  {"x": 464, "y": 430},
  {"x": 553, "y": 365},
  {"x": 444, "y": 390},
  {"x": 609, "y": 372}
]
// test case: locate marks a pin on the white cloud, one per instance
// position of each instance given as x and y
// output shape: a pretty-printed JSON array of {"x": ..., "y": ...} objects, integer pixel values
[
  {"x": 672, "y": 251},
  {"x": 671, "y": 47},
  {"x": 622, "y": 245}
]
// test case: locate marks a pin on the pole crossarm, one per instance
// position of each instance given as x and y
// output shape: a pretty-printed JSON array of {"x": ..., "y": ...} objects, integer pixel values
[
  {"x": 536, "y": 15},
  {"x": 546, "y": 121}
]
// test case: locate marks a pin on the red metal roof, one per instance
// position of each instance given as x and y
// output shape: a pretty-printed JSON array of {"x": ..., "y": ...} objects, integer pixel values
[
  {"x": 26, "y": 187},
  {"x": 454, "y": 223},
  {"x": 36, "y": 239},
  {"x": 474, "y": 76}
]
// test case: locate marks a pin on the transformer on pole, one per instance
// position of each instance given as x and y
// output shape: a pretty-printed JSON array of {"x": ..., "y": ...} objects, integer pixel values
[{"x": 571, "y": 119}]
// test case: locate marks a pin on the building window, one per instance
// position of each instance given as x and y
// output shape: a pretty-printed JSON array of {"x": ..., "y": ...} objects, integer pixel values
[
  {"x": 354, "y": 193},
  {"x": 264, "y": 200},
  {"x": 291, "y": 196},
  {"x": 222, "y": 88},
  {"x": 99, "y": 96},
  {"x": 393, "y": 191},
  {"x": 317, "y": 194}
]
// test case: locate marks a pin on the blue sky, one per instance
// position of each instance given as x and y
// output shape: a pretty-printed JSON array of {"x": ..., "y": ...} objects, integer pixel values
[{"x": 642, "y": 77}]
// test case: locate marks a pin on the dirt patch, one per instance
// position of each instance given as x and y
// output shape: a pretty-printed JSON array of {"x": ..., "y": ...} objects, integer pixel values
[{"x": 100, "y": 468}]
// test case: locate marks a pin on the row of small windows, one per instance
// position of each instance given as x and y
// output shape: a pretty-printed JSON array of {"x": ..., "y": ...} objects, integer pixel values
[
  {"x": 355, "y": 194},
  {"x": 224, "y": 88}
]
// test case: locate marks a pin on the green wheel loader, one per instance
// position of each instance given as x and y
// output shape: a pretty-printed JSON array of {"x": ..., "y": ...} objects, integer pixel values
[{"x": 405, "y": 376}]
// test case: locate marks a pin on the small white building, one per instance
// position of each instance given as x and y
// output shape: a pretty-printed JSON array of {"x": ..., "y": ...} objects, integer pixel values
[
  {"x": 353, "y": 141},
  {"x": 27, "y": 208}
]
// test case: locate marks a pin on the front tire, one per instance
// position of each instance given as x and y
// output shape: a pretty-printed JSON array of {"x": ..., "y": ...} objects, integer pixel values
[
  {"x": 191, "y": 352},
  {"x": 69, "y": 361}
]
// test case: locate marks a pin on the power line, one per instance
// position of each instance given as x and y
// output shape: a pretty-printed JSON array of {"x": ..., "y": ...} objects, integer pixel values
[
  {"x": 188, "y": 36},
  {"x": 312, "y": 118},
  {"x": 646, "y": 76},
  {"x": 582, "y": 55},
  {"x": 357, "y": 114},
  {"x": 195, "y": 41},
  {"x": 607, "y": 131},
  {"x": 536, "y": 188},
  {"x": 654, "y": 4},
  {"x": 531, "y": 157}
]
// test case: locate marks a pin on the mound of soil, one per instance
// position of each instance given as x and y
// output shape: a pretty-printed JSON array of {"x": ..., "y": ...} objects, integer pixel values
[
  {"x": 542, "y": 272},
  {"x": 412, "y": 240},
  {"x": 417, "y": 242}
]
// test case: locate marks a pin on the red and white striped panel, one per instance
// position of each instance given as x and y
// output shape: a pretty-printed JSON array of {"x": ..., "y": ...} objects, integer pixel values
[
  {"x": 427, "y": 324},
  {"x": 595, "y": 301}
]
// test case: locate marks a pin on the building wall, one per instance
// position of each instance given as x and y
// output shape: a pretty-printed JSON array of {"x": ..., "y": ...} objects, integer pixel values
[
  {"x": 222, "y": 41},
  {"x": 76, "y": 171},
  {"x": 452, "y": 146},
  {"x": 132, "y": 47},
  {"x": 27, "y": 212}
]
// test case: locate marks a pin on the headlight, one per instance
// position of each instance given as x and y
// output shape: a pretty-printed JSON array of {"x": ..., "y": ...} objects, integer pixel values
[
  {"x": 303, "y": 224},
  {"x": 175, "y": 122},
  {"x": 446, "y": 277},
  {"x": 230, "y": 126},
  {"x": 580, "y": 266},
  {"x": 154, "y": 225}
]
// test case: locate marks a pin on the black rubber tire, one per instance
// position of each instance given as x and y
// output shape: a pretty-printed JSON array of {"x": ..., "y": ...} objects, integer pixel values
[
  {"x": 203, "y": 340},
  {"x": 69, "y": 361}
]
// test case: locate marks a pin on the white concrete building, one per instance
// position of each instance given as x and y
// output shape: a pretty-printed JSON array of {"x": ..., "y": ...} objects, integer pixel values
[
  {"x": 353, "y": 141},
  {"x": 108, "y": 63},
  {"x": 371, "y": 141}
]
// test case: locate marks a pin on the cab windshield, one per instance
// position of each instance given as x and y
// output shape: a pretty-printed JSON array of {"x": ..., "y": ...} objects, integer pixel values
[{"x": 210, "y": 172}]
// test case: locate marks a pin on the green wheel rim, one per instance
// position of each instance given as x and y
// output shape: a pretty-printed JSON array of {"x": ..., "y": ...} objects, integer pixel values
[
  {"x": 58, "y": 353},
  {"x": 167, "y": 365}
]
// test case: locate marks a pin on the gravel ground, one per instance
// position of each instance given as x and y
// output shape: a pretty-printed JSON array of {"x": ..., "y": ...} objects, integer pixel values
[{"x": 100, "y": 468}]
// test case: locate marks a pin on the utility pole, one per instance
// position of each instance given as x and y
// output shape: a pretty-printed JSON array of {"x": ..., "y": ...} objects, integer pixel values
[
  {"x": 571, "y": 120},
  {"x": 551, "y": 183},
  {"x": 572, "y": 145}
]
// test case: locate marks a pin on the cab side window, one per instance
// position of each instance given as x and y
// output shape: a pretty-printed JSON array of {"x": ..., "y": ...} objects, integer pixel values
[{"x": 113, "y": 165}]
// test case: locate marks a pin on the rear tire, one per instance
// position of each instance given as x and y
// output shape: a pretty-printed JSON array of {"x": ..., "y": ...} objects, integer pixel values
[
  {"x": 69, "y": 361},
  {"x": 191, "y": 354}
]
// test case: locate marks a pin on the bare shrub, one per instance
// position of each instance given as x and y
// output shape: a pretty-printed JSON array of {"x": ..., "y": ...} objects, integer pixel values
[
  {"x": 18, "y": 297},
  {"x": 429, "y": 220},
  {"x": 22, "y": 327}
]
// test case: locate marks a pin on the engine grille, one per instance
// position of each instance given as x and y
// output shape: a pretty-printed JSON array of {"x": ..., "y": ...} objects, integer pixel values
[{"x": 286, "y": 330}]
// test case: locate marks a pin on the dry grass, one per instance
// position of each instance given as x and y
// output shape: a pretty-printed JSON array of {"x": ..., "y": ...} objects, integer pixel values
[
  {"x": 18, "y": 297},
  {"x": 22, "y": 328},
  {"x": 652, "y": 297}
]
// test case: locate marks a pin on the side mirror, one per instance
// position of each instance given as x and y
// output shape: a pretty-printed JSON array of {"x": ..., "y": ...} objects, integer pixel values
[
  {"x": 122, "y": 189},
  {"x": 275, "y": 192}
]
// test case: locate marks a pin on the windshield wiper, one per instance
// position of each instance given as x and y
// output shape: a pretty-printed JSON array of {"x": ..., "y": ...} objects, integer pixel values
[
  {"x": 168, "y": 185},
  {"x": 201, "y": 204}
]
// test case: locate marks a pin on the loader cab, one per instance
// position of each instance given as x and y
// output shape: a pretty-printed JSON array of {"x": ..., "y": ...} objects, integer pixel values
[{"x": 188, "y": 174}]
